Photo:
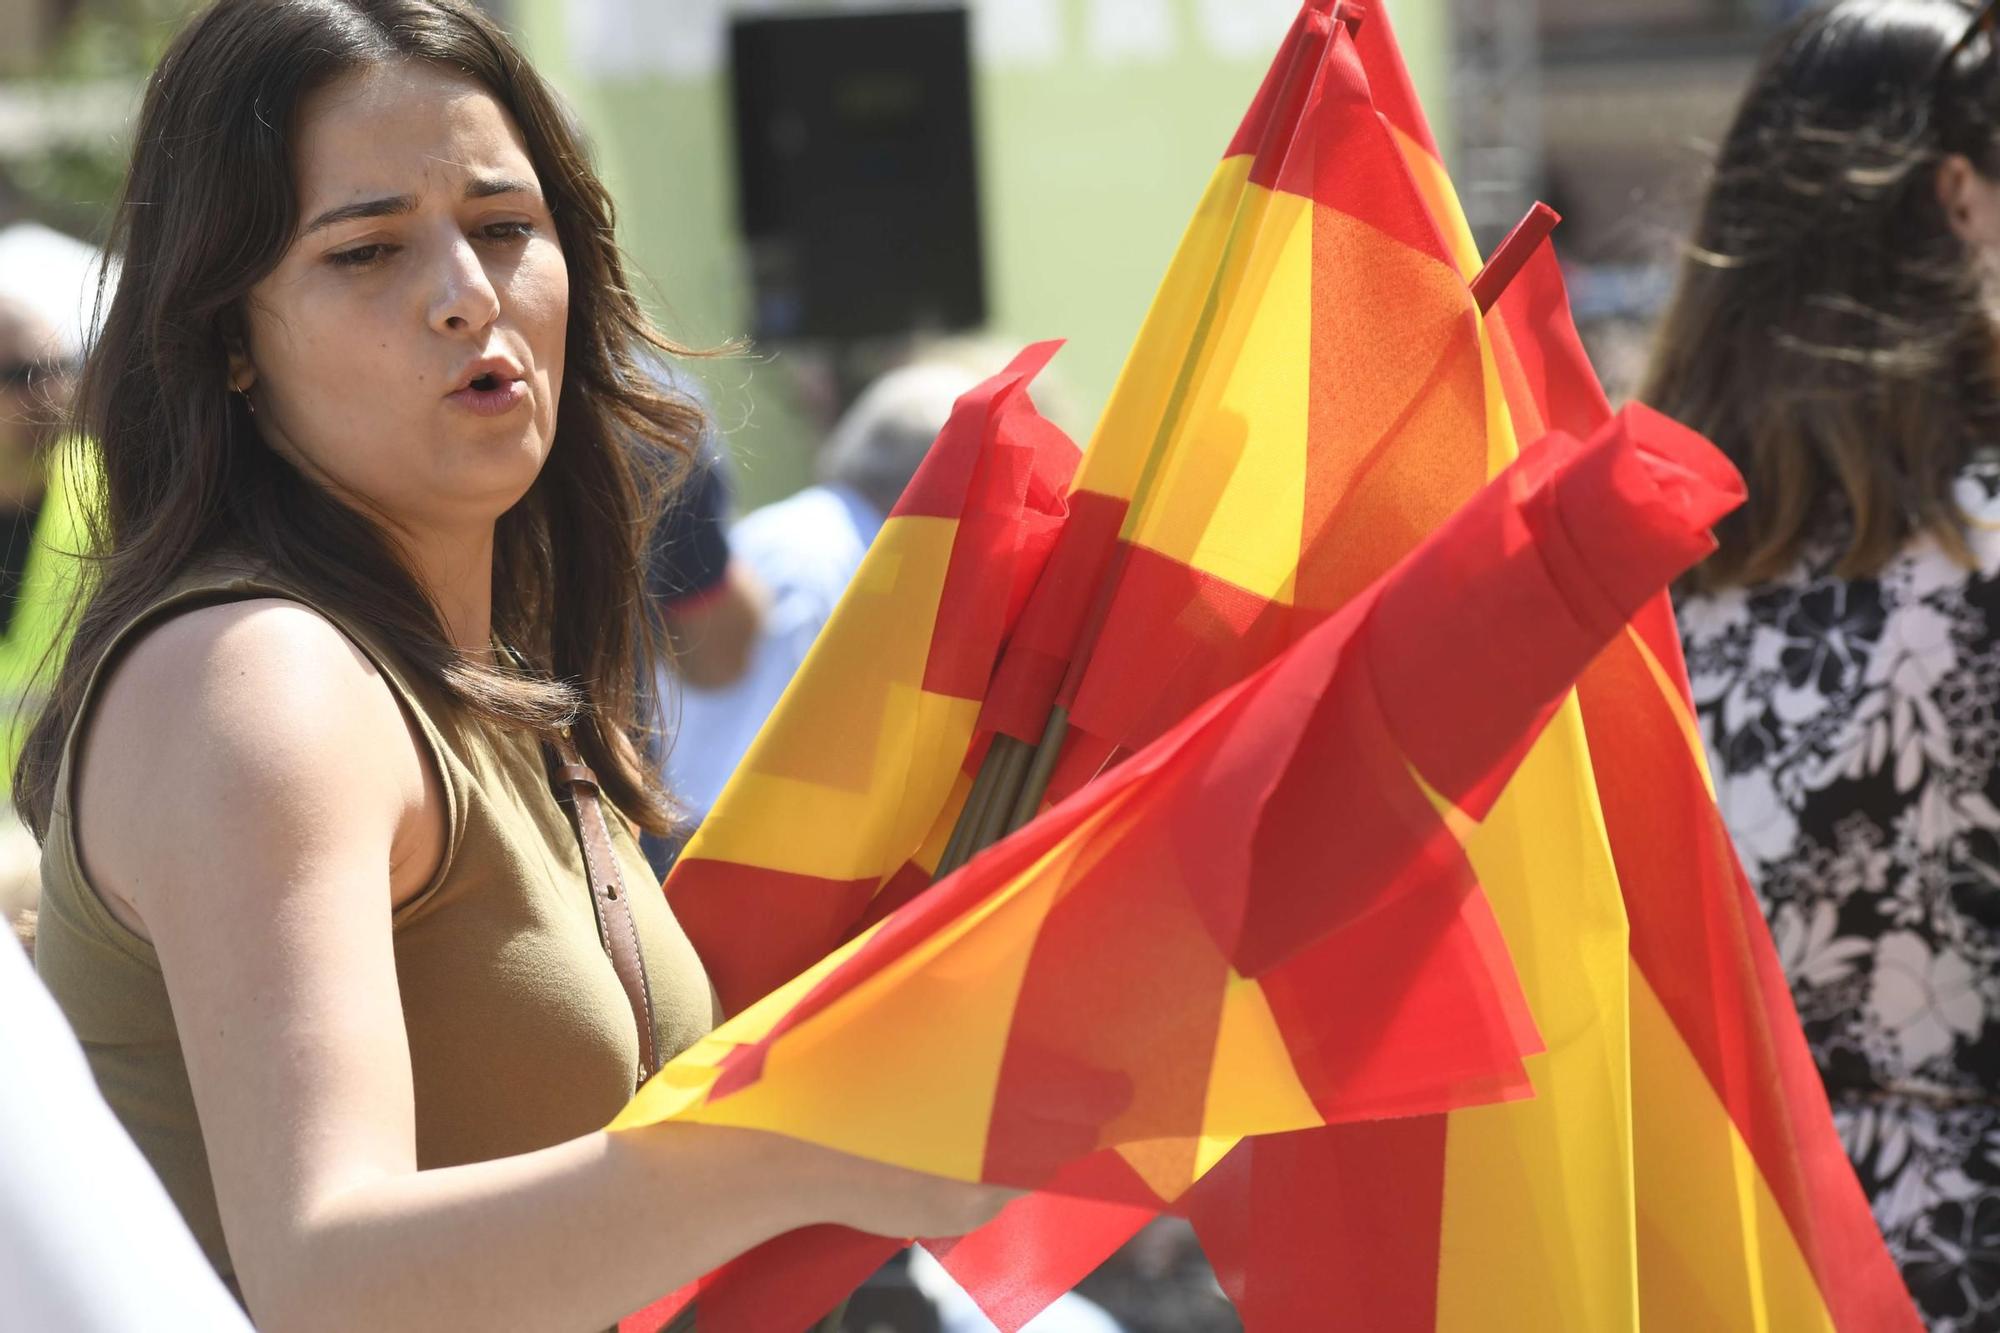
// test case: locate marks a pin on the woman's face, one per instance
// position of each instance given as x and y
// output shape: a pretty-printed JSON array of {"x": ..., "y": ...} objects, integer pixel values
[{"x": 408, "y": 349}]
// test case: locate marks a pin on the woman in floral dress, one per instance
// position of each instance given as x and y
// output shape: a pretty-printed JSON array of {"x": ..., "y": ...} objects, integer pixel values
[{"x": 1834, "y": 332}]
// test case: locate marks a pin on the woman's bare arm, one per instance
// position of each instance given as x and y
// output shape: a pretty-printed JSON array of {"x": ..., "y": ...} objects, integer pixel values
[{"x": 247, "y": 786}]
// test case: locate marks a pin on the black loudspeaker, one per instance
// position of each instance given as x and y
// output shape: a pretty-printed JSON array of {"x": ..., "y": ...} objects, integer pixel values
[{"x": 857, "y": 186}]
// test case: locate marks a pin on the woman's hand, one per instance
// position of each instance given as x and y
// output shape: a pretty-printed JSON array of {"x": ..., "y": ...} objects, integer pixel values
[
  {"x": 892, "y": 1201},
  {"x": 824, "y": 1185}
]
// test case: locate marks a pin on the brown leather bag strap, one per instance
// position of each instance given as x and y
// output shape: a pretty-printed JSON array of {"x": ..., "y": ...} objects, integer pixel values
[{"x": 608, "y": 897}]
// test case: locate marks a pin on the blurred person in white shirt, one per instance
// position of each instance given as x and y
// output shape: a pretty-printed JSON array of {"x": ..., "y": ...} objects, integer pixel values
[{"x": 89, "y": 1241}]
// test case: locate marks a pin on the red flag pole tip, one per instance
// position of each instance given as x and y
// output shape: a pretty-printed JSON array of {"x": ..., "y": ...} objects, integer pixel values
[{"x": 1513, "y": 254}]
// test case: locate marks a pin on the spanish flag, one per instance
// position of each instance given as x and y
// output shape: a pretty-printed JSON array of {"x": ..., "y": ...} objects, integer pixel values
[
  {"x": 1314, "y": 392},
  {"x": 1263, "y": 922}
]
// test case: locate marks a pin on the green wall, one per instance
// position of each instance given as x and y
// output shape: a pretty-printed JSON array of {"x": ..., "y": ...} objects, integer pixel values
[{"x": 1099, "y": 122}]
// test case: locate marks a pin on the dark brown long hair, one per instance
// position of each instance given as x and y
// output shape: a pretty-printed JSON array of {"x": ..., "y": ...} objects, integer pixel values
[
  {"x": 209, "y": 208},
  {"x": 1830, "y": 332}
]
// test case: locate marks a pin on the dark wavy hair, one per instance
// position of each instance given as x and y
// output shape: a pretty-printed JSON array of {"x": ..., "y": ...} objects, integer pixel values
[
  {"x": 1830, "y": 332},
  {"x": 209, "y": 208}
]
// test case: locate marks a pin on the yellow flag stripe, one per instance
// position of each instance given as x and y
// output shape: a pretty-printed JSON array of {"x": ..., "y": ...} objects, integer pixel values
[
  {"x": 867, "y": 778},
  {"x": 1719, "y": 1252},
  {"x": 1538, "y": 1210},
  {"x": 1252, "y": 1085},
  {"x": 1228, "y": 492}
]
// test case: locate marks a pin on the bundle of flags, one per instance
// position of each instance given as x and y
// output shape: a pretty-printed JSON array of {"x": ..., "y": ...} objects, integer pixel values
[{"x": 1377, "y": 916}]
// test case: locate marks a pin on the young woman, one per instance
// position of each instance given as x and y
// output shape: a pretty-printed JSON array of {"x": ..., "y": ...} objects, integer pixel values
[
  {"x": 1834, "y": 333},
  {"x": 369, "y": 552}
]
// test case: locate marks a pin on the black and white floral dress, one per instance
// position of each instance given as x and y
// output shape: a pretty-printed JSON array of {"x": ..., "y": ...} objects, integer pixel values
[{"x": 1854, "y": 731}]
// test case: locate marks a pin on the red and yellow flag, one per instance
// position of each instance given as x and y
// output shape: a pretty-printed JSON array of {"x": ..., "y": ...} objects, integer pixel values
[
  {"x": 864, "y": 754},
  {"x": 1314, "y": 391},
  {"x": 1263, "y": 922}
]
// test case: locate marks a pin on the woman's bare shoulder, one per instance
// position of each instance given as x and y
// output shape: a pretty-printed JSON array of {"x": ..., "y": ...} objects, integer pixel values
[
  {"x": 273, "y": 674},
  {"x": 250, "y": 731}
]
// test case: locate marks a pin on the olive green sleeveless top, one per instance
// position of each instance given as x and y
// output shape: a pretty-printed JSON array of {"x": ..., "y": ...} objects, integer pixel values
[{"x": 520, "y": 1035}]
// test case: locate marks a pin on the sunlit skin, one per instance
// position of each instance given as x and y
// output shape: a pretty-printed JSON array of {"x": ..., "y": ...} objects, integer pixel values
[{"x": 425, "y": 246}]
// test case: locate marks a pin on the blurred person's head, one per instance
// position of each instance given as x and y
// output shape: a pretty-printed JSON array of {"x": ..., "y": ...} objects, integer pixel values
[
  {"x": 1833, "y": 328},
  {"x": 876, "y": 445},
  {"x": 370, "y": 297},
  {"x": 879, "y": 441},
  {"x": 35, "y": 382}
]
